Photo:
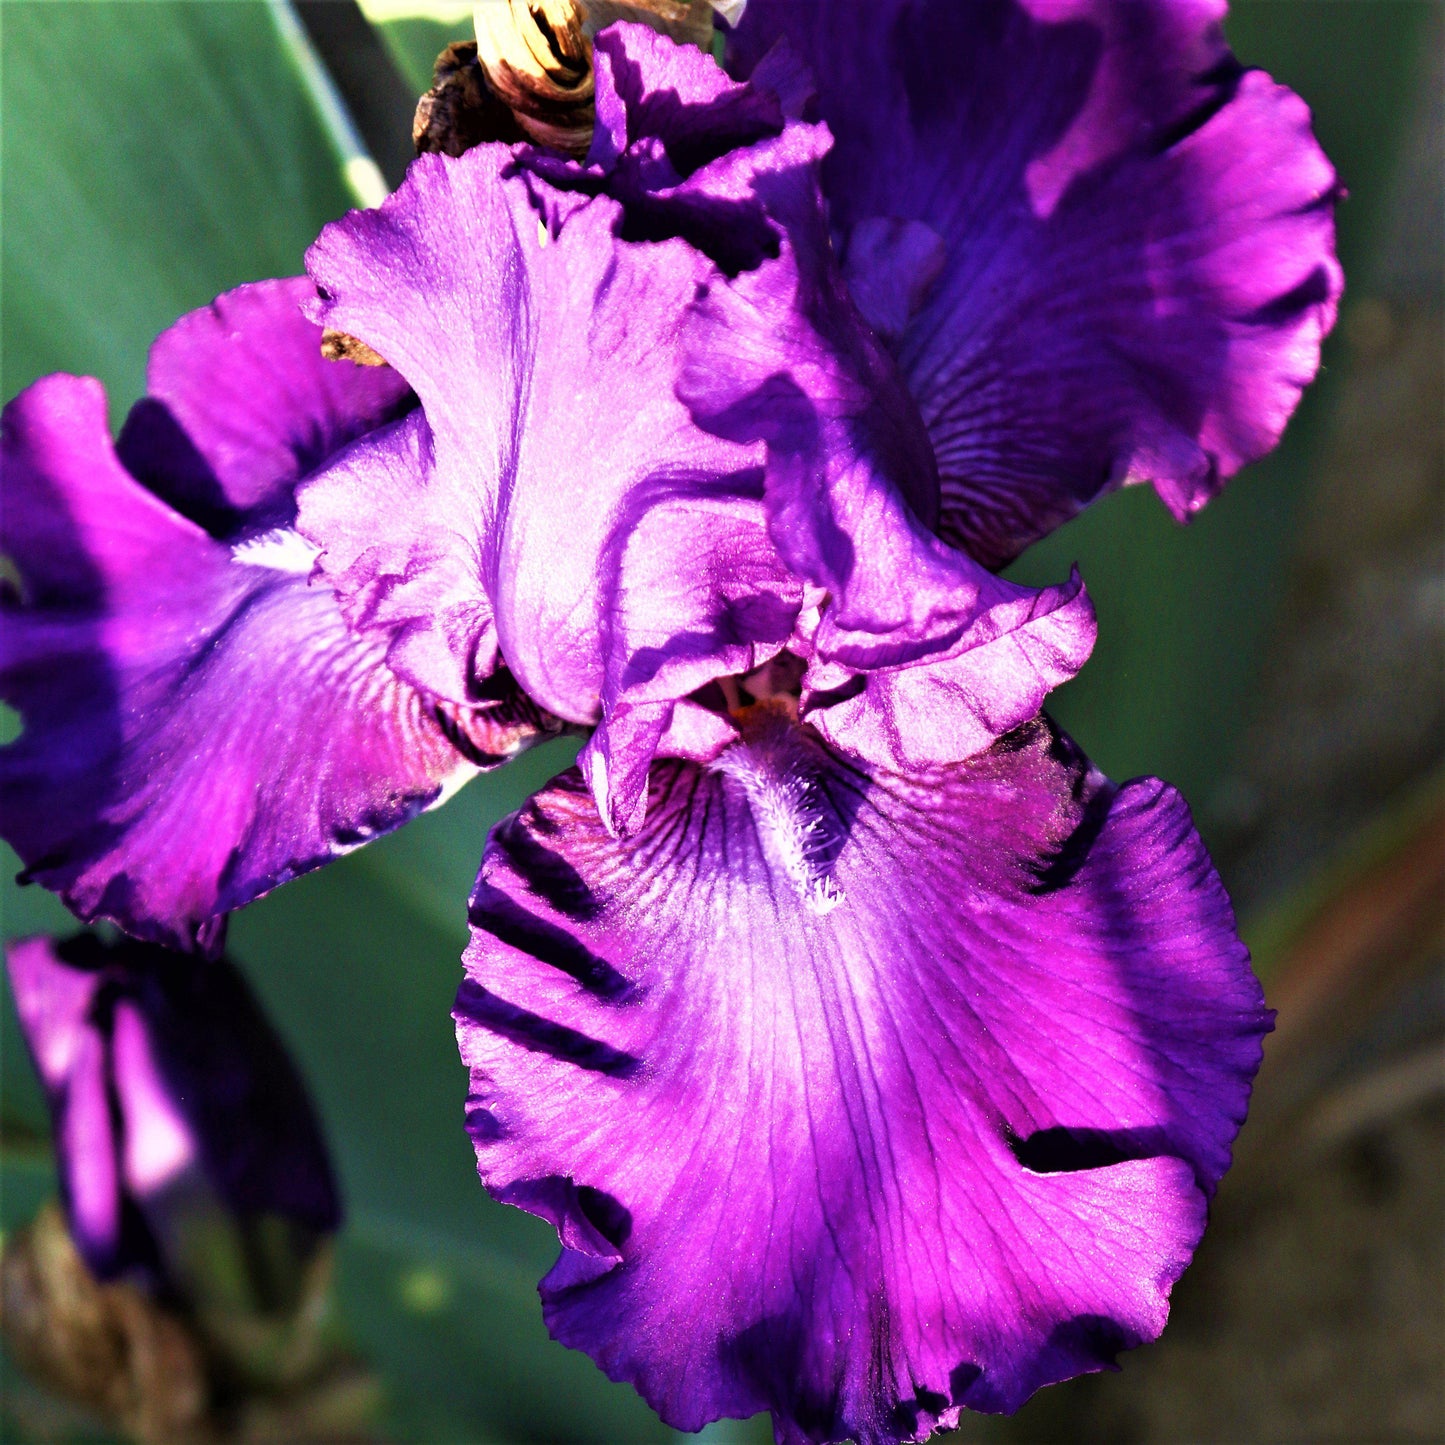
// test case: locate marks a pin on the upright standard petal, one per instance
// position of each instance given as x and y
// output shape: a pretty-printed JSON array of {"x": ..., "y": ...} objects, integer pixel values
[
  {"x": 683, "y": 148},
  {"x": 169, "y": 1092},
  {"x": 199, "y": 722},
  {"x": 1102, "y": 252},
  {"x": 545, "y": 351},
  {"x": 918, "y": 655},
  {"x": 855, "y": 1096}
]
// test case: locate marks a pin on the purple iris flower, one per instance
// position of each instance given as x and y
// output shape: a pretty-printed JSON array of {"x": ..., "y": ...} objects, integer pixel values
[
  {"x": 200, "y": 723},
  {"x": 175, "y": 1107},
  {"x": 872, "y": 1054}
]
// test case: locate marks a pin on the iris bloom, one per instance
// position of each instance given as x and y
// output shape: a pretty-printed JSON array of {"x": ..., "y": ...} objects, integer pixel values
[
  {"x": 178, "y": 1116},
  {"x": 873, "y": 1055}
]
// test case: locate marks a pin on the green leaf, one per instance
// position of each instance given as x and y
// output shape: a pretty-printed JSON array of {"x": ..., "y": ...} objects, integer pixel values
[
  {"x": 415, "y": 41},
  {"x": 154, "y": 155}
]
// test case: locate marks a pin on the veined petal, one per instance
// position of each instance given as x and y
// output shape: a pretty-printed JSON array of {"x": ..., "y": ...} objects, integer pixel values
[
  {"x": 696, "y": 591},
  {"x": 241, "y": 405},
  {"x": 919, "y": 655},
  {"x": 1103, "y": 253},
  {"x": 200, "y": 724},
  {"x": 688, "y": 152},
  {"x": 649, "y": 87},
  {"x": 546, "y": 354},
  {"x": 855, "y": 1096}
]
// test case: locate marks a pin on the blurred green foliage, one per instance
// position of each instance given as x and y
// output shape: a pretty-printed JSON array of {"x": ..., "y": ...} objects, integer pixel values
[{"x": 156, "y": 153}]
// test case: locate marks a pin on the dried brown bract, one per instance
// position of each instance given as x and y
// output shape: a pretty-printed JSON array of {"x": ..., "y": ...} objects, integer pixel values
[
  {"x": 529, "y": 75},
  {"x": 537, "y": 60},
  {"x": 166, "y": 1375},
  {"x": 338, "y": 346},
  {"x": 105, "y": 1346},
  {"x": 461, "y": 110}
]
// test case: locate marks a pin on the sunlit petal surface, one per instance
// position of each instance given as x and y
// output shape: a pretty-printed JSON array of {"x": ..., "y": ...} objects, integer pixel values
[
  {"x": 855, "y": 1096},
  {"x": 199, "y": 722}
]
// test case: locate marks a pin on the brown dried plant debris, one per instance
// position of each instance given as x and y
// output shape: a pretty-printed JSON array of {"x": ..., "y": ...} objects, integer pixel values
[
  {"x": 339, "y": 346},
  {"x": 529, "y": 76}
]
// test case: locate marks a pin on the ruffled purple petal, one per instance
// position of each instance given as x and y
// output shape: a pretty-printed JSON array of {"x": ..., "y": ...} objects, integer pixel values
[
  {"x": 241, "y": 405},
  {"x": 546, "y": 356},
  {"x": 855, "y": 1096},
  {"x": 650, "y": 87},
  {"x": 392, "y": 546},
  {"x": 164, "y": 1081},
  {"x": 696, "y": 591},
  {"x": 919, "y": 655},
  {"x": 199, "y": 722},
  {"x": 1104, "y": 254},
  {"x": 685, "y": 150}
]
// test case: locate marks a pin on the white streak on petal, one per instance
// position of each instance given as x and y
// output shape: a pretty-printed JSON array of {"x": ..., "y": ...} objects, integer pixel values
[
  {"x": 158, "y": 1143},
  {"x": 280, "y": 549}
]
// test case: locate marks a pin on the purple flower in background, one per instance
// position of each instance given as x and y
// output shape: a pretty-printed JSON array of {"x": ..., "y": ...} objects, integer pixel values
[
  {"x": 173, "y": 1104},
  {"x": 200, "y": 722}
]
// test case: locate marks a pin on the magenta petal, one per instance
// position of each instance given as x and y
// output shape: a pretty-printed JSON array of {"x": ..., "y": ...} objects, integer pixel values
[
  {"x": 166, "y": 1085},
  {"x": 199, "y": 722},
  {"x": 546, "y": 355},
  {"x": 1139, "y": 241},
  {"x": 696, "y": 591},
  {"x": 854, "y": 1096},
  {"x": 919, "y": 655},
  {"x": 686, "y": 151},
  {"x": 651, "y": 87},
  {"x": 241, "y": 405},
  {"x": 390, "y": 548}
]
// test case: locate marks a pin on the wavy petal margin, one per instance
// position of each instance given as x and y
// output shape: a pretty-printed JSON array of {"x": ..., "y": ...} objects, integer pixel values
[
  {"x": 1102, "y": 251},
  {"x": 853, "y": 1096}
]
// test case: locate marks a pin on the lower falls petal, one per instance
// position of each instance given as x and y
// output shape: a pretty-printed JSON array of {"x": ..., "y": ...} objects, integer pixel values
[
  {"x": 857, "y": 1096},
  {"x": 199, "y": 722}
]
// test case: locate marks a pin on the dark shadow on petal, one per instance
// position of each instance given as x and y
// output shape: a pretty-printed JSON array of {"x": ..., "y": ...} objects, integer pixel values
[
  {"x": 906, "y": 1417},
  {"x": 1073, "y": 853},
  {"x": 693, "y": 133},
  {"x": 769, "y": 1356},
  {"x": 155, "y": 449},
  {"x": 493, "y": 912},
  {"x": 961, "y": 1380},
  {"x": 1224, "y": 79},
  {"x": 924, "y": 51},
  {"x": 476, "y": 1005},
  {"x": 823, "y": 699},
  {"x": 591, "y": 1226},
  {"x": 1066, "y": 1151},
  {"x": 549, "y": 876},
  {"x": 1081, "y": 1345},
  {"x": 608, "y": 1216},
  {"x": 734, "y": 234},
  {"x": 1314, "y": 290},
  {"x": 1091, "y": 1341},
  {"x": 483, "y": 1125}
]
